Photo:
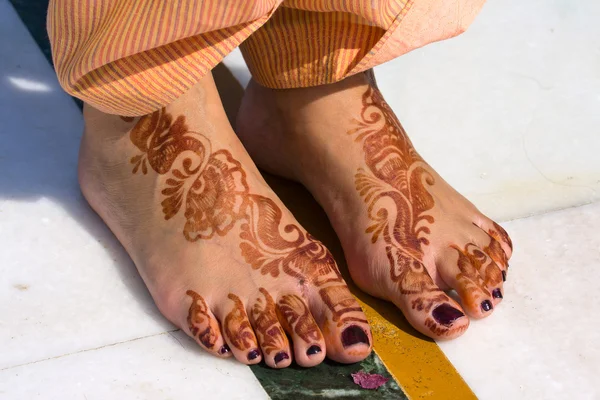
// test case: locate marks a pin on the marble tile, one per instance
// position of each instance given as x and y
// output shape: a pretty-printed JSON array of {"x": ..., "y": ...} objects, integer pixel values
[
  {"x": 65, "y": 282},
  {"x": 542, "y": 341},
  {"x": 508, "y": 111},
  {"x": 166, "y": 366}
]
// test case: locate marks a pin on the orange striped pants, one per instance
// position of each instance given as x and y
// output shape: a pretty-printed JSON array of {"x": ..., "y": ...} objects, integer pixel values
[{"x": 132, "y": 57}]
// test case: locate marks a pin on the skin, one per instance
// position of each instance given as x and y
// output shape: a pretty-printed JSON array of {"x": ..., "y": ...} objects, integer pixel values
[
  {"x": 220, "y": 254},
  {"x": 407, "y": 235}
]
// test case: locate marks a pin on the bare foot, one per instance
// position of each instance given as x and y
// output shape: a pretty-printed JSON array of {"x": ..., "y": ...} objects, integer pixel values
[
  {"x": 407, "y": 235},
  {"x": 221, "y": 255}
]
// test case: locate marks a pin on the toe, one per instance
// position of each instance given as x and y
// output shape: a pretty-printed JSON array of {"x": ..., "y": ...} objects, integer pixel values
[
  {"x": 298, "y": 322},
  {"x": 491, "y": 262},
  {"x": 494, "y": 251},
  {"x": 493, "y": 274},
  {"x": 273, "y": 341},
  {"x": 427, "y": 308},
  {"x": 344, "y": 325},
  {"x": 204, "y": 327},
  {"x": 499, "y": 234},
  {"x": 238, "y": 332},
  {"x": 460, "y": 269}
]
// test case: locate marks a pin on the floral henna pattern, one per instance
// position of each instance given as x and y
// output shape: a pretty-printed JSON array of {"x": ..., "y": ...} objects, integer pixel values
[
  {"x": 211, "y": 185},
  {"x": 267, "y": 324},
  {"x": 198, "y": 318},
  {"x": 213, "y": 190},
  {"x": 298, "y": 319}
]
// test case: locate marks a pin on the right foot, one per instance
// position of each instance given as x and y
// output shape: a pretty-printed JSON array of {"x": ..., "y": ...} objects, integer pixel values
[{"x": 222, "y": 257}]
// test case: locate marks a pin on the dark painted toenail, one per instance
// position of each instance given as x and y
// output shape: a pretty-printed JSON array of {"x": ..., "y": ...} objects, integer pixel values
[
  {"x": 497, "y": 293},
  {"x": 253, "y": 355},
  {"x": 353, "y": 335},
  {"x": 504, "y": 276},
  {"x": 445, "y": 314},
  {"x": 486, "y": 305},
  {"x": 279, "y": 357},
  {"x": 224, "y": 349},
  {"x": 313, "y": 350}
]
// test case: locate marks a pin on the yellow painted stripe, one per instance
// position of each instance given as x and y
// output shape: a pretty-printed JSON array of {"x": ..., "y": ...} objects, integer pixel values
[{"x": 417, "y": 363}]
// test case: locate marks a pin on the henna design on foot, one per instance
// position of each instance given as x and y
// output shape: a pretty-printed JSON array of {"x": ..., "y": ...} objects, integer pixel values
[
  {"x": 197, "y": 315},
  {"x": 494, "y": 250},
  {"x": 213, "y": 190},
  {"x": 473, "y": 264},
  {"x": 397, "y": 175},
  {"x": 501, "y": 235},
  {"x": 238, "y": 329},
  {"x": 267, "y": 325},
  {"x": 297, "y": 318}
]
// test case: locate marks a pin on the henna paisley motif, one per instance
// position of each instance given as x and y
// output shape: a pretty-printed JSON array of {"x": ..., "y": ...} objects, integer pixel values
[{"x": 396, "y": 175}]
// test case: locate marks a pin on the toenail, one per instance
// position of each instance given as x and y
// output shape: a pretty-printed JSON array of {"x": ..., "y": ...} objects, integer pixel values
[
  {"x": 253, "y": 355},
  {"x": 486, "y": 305},
  {"x": 445, "y": 314},
  {"x": 504, "y": 276},
  {"x": 224, "y": 349},
  {"x": 279, "y": 357},
  {"x": 353, "y": 335},
  {"x": 313, "y": 350},
  {"x": 497, "y": 293}
]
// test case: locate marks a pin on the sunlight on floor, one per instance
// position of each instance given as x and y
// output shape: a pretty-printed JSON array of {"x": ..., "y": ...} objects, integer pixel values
[{"x": 29, "y": 85}]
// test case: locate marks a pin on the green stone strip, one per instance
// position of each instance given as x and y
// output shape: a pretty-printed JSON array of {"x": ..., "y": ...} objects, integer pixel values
[{"x": 327, "y": 380}]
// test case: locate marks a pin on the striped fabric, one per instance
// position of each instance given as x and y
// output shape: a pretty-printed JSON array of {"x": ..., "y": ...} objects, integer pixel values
[{"x": 132, "y": 57}]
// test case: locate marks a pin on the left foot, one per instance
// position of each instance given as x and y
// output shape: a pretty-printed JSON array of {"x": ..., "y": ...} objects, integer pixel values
[{"x": 407, "y": 235}]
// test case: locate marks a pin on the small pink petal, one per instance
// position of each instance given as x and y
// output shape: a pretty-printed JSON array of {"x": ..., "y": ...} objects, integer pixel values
[{"x": 369, "y": 381}]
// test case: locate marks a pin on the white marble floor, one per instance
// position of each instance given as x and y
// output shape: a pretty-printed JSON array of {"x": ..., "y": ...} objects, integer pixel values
[{"x": 509, "y": 113}]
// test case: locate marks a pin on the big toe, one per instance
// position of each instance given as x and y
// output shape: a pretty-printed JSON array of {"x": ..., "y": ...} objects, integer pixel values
[
  {"x": 344, "y": 325},
  {"x": 428, "y": 309}
]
